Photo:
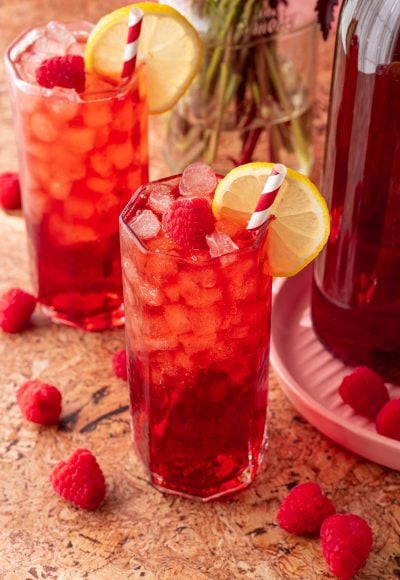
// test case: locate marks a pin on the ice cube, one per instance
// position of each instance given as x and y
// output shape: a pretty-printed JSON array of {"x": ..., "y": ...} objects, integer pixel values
[
  {"x": 160, "y": 198},
  {"x": 48, "y": 47},
  {"x": 145, "y": 224},
  {"x": 206, "y": 320},
  {"x": 198, "y": 179},
  {"x": 77, "y": 48},
  {"x": 60, "y": 34},
  {"x": 177, "y": 318},
  {"x": 220, "y": 244},
  {"x": 64, "y": 104},
  {"x": 29, "y": 63},
  {"x": 43, "y": 128},
  {"x": 150, "y": 295}
]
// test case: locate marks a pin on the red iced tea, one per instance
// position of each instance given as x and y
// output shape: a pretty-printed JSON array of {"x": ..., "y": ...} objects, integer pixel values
[
  {"x": 81, "y": 157},
  {"x": 356, "y": 294},
  {"x": 197, "y": 330}
]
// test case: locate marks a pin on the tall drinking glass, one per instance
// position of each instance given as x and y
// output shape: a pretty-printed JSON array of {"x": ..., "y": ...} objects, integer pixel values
[
  {"x": 81, "y": 156},
  {"x": 197, "y": 334}
]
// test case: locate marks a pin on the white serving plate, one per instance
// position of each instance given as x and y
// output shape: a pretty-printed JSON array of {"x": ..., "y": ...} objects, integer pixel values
[{"x": 310, "y": 375}]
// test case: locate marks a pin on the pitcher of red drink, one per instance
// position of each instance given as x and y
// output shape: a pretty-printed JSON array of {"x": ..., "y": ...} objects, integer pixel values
[{"x": 356, "y": 291}]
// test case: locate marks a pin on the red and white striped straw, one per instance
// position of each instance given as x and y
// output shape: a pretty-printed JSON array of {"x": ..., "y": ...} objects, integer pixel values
[
  {"x": 268, "y": 196},
  {"x": 132, "y": 42}
]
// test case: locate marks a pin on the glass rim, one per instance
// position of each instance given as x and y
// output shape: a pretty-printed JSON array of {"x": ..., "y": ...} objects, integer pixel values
[
  {"x": 36, "y": 90},
  {"x": 284, "y": 34},
  {"x": 255, "y": 246}
]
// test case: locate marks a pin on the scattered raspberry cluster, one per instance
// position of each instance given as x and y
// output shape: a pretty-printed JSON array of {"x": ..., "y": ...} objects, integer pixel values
[
  {"x": 346, "y": 539},
  {"x": 10, "y": 193},
  {"x": 367, "y": 395},
  {"x": 78, "y": 480},
  {"x": 62, "y": 71},
  {"x": 304, "y": 509}
]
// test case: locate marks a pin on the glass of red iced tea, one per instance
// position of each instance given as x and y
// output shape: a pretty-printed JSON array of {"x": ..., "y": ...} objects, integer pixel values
[
  {"x": 81, "y": 154},
  {"x": 197, "y": 331}
]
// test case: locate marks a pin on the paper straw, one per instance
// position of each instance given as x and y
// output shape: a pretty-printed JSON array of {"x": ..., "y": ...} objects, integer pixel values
[
  {"x": 132, "y": 42},
  {"x": 268, "y": 196}
]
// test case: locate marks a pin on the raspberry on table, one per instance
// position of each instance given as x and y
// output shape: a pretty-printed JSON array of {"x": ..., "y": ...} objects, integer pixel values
[
  {"x": 304, "y": 509},
  {"x": 346, "y": 541},
  {"x": 16, "y": 308},
  {"x": 62, "y": 71},
  {"x": 189, "y": 221},
  {"x": 119, "y": 364},
  {"x": 10, "y": 192},
  {"x": 364, "y": 391},
  {"x": 80, "y": 480},
  {"x": 39, "y": 402},
  {"x": 388, "y": 420}
]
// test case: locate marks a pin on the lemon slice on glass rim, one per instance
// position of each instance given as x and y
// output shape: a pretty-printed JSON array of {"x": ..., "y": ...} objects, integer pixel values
[
  {"x": 168, "y": 44},
  {"x": 300, "y": 225}
]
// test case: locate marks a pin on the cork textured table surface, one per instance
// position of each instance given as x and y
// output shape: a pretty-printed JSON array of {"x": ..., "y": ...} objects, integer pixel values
[{"x": 138, "y": 532}]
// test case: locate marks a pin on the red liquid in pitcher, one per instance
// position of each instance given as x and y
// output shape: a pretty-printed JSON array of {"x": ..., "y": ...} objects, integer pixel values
[{"x": 356, "y": 294}]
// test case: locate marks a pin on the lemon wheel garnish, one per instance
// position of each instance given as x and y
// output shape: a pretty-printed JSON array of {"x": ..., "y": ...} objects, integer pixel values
[
  {"x": 301, "y": 224},
  {"x": 168, "y": 44}
]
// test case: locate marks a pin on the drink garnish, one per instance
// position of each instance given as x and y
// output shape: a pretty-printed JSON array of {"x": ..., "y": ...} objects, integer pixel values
[
  {"x": 131, "y": 47},
  {"x": 188, "y": 222},
  {"x": 169, "y": 45},
  {"x": 299, "y": 224},
  {"x": 66, "y": 71}
]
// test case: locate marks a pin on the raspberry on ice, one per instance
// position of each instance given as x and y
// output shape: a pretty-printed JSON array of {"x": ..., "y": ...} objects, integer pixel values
[
  {"x": 364, "y": 391},
  {"x": 39, "y": 402},
  {"x": 189, "y": 221},
  {"x": 62, "y": 71},
  {"x": 304, "y": 509},
  {"x": 16, "y": 308},
  {"x": 346, "y": 541},
  {"x": 80, "y": 480}
]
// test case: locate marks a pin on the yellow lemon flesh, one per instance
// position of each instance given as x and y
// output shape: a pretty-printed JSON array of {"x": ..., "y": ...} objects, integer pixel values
[
  {"x": 301, "y": 224},
  {"x": 168, "y": 44}
]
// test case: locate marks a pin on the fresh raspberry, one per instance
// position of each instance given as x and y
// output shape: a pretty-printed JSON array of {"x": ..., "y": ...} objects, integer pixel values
[
  {"x": 364, "y": 391},
  {"x": 62, "y": 71},
  {"x": 188, "y": 221},
  {"x": 10, "y": 193},
  {"x": 304, "y": 509},
  {"x": 80, "y": 480},
  {"x": 39, "y": 402},
  {"x": 16, "y": 308},
  {"x": 119, "y": 364},
  {"x": 346, "y": 543},
  {"x": 388, "y": 420}
]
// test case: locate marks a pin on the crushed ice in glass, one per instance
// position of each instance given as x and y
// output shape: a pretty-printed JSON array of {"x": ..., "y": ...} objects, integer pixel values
[
  {"x": 160, "y": 198},
  {"x": 59, "y": 34},
  {"x": 145, "y": 224},
  {"x": 220, "y": 244},
  {"x": 198, "y": 179}
]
